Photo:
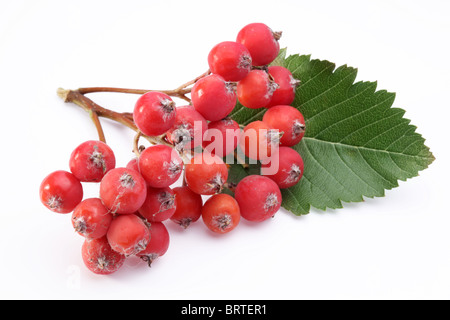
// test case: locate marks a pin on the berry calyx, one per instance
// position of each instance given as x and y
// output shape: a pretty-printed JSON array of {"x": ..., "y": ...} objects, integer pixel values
[
  {"x": 91, "y": 160},
  {"x": 188, "y": 130},
  {"x": 206, "y": 174},
  {"x": 100, "y": 258},
  {"x": 123, "y": 190},
  {"x": 158, "y": 245},
  {"x": 160, "y": 166},
  {"x": 213, "y": 97},
  {"x": 259, "y": 198},
  {"x": 61, "y": 192},
  {"x": 261, "y": 42},
  {"x": 159, "y": 205},
  {"x": 189, "y": 206},
  {"x": 221, "y": 213},
  {"x": 231, "y": 60},
  {"x": 288, "y": 120},
  {"x": 259, "y": 141},
  {"x": 285, "y": 93},
  {"x": 91, "y": 219},
  {"x": 286, "y": 169},
  {"x": 256, "y": 89}
]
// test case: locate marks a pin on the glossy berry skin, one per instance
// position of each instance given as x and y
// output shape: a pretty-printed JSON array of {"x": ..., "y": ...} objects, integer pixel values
[
  {"x": 123, "y": 190},
  {"x": 160, "y": 166},
  {"x": 128, "y": 234},
  {"x": 231, "y": 60},
  {"x": 221, "y": 213},
  {"x": 133, "y": 164},
  {"x": 189, "y": 206},
  {"x": 91, "y": 160},
  {"x": 188, "y": 130},
  {"x": 285, "y": 93},
  {"x": 159, "y": 205},
  {"x": 255, "y": 90},
  {"x": 259, "y": 140},
  {"x": 261, "y": 42},
  {"x": 290, "y": 168},
  {"x": 91, "y": 219},
  {"x": 100, "y": 258},
  {"x": 206, "y": 174},
  {"x": 61, "y": 192},
  {"x": 222, "y": 137},
  {"x": 154, "y": 113},
  {"x": 259, "y": 198},
  {"x": 158, "y": 245},
  {"x": 213, "y": 97},
  {"x": 288, "y": 120}
]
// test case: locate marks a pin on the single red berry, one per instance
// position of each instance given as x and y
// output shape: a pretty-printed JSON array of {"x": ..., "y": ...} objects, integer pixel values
[
  {"x": 213, "y": 97},
  {"x": 259, "y": 141},
  {"x": 256, "y": 89},
  {"x": 189, "y": 206},
  {"x": 91, "y": 219},
  {"x": 158, "y": 245},
  {"x": 159, "y": 205},
  {"x": 286, "y": 169},
  {"x": 285, "y": 93},
  {"x": 188, "y": 130},
  {"x": 222, "y": 137},
  {"x": 206, "y": 174},
  {"x": 288, "y": 120},
  {"x": 231, "y": 60},
  {"x": 261, "y": 42},
  {"x": 160, "y": 166},
  {"x": 100, "y": 258},
  {"x": 61, "y": 191},
  {"x": 91, "y": 160},
  {"x": 133, "y": 164},
  {"x": 128, "y": 234},
  {"x": 154, "y": 113},
  {"x": 221, "y": 213},
  {"x": 123, "y": 190},
  {"x": 259, "y": 198}
]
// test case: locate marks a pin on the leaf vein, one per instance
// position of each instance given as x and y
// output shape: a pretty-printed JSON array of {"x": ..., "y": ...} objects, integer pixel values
[
  {"x": 324, "y": 168},
  {"x": 384, "y": 132},
  {"x": 374, "y": 170},
  {"x": 326, "y": 91},
  {"x": 357, "y": 114},
  {"x": 369, "y": 149},
  {"x": 338, "y": 104},
  {"x": 299, "y": 204},
  {"x": 318, "y": 187},
  {"x": 353, "y": 171}
]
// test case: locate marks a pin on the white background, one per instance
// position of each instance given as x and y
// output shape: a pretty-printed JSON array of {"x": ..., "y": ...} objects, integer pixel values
[{"x": 395, "y": 247}]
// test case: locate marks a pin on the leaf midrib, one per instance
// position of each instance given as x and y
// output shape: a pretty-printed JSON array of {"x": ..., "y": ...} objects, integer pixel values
[{"x": 368, "y": 149}]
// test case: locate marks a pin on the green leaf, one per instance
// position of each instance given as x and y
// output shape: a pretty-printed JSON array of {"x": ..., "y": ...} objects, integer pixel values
[{"x": 356, "y": 145}]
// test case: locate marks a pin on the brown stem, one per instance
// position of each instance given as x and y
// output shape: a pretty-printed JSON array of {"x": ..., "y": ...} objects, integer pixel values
[
  {"x": 98, "y": 125},
  {"x": 136, "y": 143},
  {"x": 176, "y": 92},
  {"x": 129, "y": 115},
  {"x": 91, "y": 107},
  {"x": 179, "y": 92},
  {"x": 187, "y": 84},
  {"x": 75, "y": 96},
  {"x": 126, "y": 118}
]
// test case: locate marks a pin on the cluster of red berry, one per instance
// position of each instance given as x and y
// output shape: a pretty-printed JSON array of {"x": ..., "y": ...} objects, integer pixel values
[{"x": 135, "y": 201}]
